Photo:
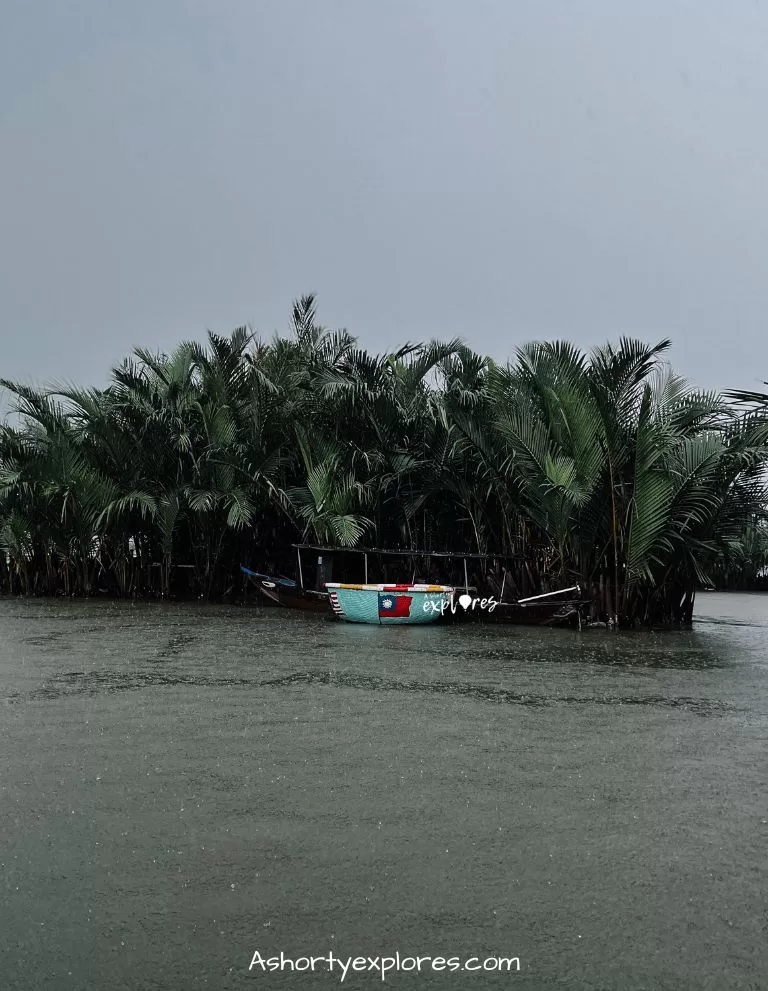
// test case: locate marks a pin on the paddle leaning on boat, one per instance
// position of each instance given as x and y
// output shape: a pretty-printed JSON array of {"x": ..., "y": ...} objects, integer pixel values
[{"x": 388, "y": 605}]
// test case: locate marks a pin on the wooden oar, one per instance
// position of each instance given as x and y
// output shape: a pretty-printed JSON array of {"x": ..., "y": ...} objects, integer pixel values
[{"x": 545, "y": 595}]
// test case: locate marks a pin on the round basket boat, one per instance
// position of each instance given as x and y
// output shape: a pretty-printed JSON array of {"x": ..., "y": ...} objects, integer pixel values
[{"x": 389, "y": 605}]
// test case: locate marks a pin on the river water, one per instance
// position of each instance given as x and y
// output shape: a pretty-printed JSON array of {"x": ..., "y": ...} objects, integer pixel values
[{"x": 183, "y": 786}]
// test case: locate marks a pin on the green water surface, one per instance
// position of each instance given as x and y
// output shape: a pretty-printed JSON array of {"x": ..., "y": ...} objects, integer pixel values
[{"x": 181, "y": 786}]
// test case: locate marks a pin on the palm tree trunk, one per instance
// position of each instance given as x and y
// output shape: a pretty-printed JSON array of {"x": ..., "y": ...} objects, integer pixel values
[{"x": 615, "y": 544}]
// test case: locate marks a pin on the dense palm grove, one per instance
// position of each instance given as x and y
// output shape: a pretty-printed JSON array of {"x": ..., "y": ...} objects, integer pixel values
[{"x": 604, "y": 469}]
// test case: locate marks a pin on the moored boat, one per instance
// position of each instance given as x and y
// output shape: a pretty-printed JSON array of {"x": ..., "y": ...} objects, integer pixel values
[
  {"x": 562, "y": 613},
  {"x": 389, "y": 605},
  {"x": 284, "y": 592}
]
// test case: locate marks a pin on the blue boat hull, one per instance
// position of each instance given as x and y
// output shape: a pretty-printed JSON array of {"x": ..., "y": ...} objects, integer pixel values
[{"x": 389, "y": 605}]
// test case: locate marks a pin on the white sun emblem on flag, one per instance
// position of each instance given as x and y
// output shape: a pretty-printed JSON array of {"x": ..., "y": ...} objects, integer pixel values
[{"x": 387, "y": 603}]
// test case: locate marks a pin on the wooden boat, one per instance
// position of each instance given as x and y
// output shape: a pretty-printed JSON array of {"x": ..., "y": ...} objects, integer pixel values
[
  {"x": 562, "y": 613},
  {"x": 284, "y": 592},
  {"x": 389, "y": 605},
  {"x": 304, "y": 599},
  {"x": 542, "y": 610}
]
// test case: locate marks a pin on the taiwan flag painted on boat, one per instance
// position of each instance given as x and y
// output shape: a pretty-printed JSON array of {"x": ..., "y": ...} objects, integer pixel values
[{"x": 394, "y": 606}]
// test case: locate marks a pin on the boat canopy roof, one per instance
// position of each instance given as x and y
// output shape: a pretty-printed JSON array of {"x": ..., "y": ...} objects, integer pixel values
[{"x": 459, "y": 555}]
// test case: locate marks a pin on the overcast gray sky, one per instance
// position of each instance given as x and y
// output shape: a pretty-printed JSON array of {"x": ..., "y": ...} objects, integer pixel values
[{"x": 501, "y": 170}]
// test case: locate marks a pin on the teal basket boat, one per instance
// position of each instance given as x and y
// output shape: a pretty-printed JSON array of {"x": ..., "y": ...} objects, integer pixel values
[{"x": 389, "y": 605}]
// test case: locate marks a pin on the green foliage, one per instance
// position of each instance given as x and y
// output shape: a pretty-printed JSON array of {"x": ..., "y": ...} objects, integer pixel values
[{"x": 605, "y": 468}]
